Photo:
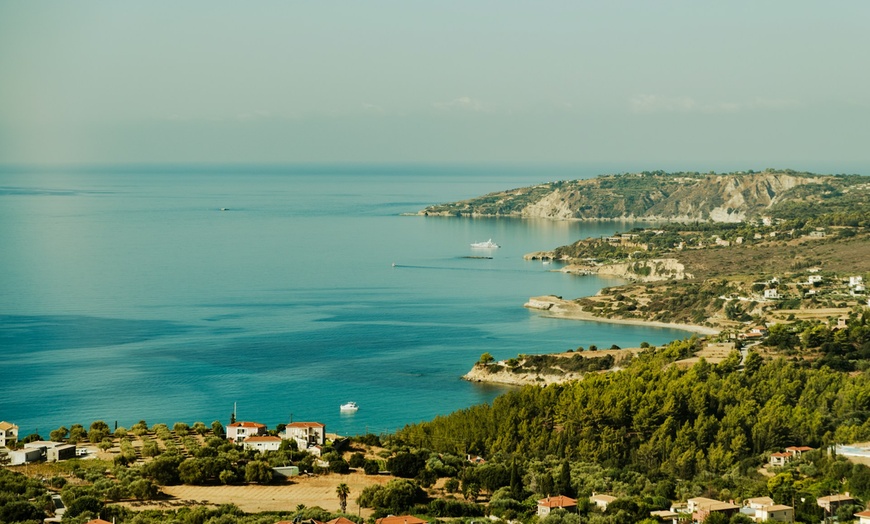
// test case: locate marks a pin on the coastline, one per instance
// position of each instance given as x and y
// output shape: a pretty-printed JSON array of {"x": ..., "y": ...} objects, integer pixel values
[{"x": 557, "y": 307}]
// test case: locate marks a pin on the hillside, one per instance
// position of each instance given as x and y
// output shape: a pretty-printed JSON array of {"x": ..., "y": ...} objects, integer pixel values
[{"x": 658, "y": 196}]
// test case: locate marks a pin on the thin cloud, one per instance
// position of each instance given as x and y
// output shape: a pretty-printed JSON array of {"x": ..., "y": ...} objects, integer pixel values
[
  {"x": 649, "y": 103},
  {"x": 465, "y": 103}
]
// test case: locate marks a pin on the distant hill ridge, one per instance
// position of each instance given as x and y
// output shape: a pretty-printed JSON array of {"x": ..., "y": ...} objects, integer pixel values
[{"x": 656, "y": 195}]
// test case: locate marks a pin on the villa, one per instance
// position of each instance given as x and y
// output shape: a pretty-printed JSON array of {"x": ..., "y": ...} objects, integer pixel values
[
  {"x": 545, "y": 506},
  {"x": 239, "y": 431},
  {"x": 8, "y": 434},
  {"x": 306, "y": 434}
]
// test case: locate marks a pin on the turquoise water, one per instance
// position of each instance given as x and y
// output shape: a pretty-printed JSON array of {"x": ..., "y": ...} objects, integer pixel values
[{"x": 128, "y": 294}]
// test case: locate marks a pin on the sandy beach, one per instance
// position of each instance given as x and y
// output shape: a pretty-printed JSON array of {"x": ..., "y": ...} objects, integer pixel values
[{"x": 557, "y": 307}]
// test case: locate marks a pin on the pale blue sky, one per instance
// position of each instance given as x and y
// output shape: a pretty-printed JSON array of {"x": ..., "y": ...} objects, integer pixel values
[{"x": 645, "y": 84}]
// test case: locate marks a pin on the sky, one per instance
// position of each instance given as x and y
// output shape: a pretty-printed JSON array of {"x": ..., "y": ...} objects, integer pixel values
[{"x": 636, "y": 85}]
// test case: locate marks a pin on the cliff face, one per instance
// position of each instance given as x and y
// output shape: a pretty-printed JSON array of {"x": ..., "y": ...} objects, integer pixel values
[
  {"x": 481, "y": 373},
  {"x": 641, "y": 196},
  {"x": 653, "y": 270}
]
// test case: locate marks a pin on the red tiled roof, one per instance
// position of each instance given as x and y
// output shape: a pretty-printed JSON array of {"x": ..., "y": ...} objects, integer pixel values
[
  {"x": 305, "y": 425},
  {"x": 341, "y": 520},
  {"x": 246, "y": 425},
  {"x": 401, "y": 519},
  {"x": 560, "y": 501}
]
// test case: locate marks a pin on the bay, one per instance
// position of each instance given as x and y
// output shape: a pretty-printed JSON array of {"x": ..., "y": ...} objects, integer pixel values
[{"x": 128, "y": 293}]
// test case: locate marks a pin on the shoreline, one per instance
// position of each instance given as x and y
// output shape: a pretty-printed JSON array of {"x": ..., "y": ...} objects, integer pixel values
[{"x": 556, "y": 307}]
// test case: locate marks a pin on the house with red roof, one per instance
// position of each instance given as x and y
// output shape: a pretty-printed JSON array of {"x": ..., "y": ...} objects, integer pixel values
[
  {"x": 545, "y": 506},
  {"x": 306, "y": 434},
  {"x": 239, "y": 431}
]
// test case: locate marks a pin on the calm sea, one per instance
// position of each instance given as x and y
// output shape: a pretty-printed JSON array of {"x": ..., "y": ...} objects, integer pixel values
[{"x": 129, "y": 294}]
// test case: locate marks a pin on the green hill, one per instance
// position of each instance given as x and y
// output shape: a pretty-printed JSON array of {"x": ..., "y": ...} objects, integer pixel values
[{"x": 656, "y": 195}]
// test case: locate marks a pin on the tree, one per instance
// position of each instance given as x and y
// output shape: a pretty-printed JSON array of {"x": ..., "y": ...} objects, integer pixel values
[
  {"x": 563, "y": 485},
  {"x": 59, "y": 434},
  {"x": 258, "y": 471},
  {"x": 486, "y": 359},
  {"x": 217, "y": 428},
  {"x": 82, "y": 504},
  {"x": 77, "y": 433},
  {"x": 342, "y": 491}
]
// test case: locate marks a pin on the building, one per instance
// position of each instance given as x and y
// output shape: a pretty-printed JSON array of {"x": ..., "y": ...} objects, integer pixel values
[
  {"x": 263, "y": 443},
  {"x": 8, "y": 434},
  {"x": 771, "y": 293},
  {"x": 797, "y": 451},
  {"x": 306, "y": 434},
  {"x": 779, "y": 459},
  {"x": 545, "y": 506},
  {"x": 53, "y": 451},
  {"x": 401, "y": 519},
  {"x": 702, "y": 507},
  {"x": 601, "y": 500},
  {"x": 758, "y": 502},
  {"x": 775, "y": 512},
  {"x": 40, "y": 450},
  {"x": 24, "y": 455},
  {"x": 863, "y": 517},
  {"x": 239, "y": 431},
  {"x": 832, "y": 502}
]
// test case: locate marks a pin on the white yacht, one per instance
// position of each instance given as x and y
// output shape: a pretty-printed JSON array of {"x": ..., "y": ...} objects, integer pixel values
[
  {"x": 489, "y": 244},
  {"x": 349, "y": 407}
]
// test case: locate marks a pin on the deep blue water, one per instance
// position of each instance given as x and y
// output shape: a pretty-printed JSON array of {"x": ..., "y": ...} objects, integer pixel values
[{"x": 128, "y": 294}]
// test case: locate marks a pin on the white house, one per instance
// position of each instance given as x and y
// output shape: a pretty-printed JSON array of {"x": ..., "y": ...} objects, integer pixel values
[
  {"x": 856, "y": 281},
  {"x": 8, "y": 434},
  {"x": 758, "y": 502},
  {"x": 239, "y": 431},
  {"x": 779, "y": 459},
  {"x": 832, "y": 502},
  {"x": 601, "y": 500},
  {"x": 25, "y": 455},
  {"x": 771, "y": 293},
  {"x": 53, "y": 451},
  {"x": 776, "y": 512},
  {"x": 814, "y": 279},
  {"x": 263, "y": 443},
  {"x": 863, "y": 517},
  {"x": 306, "y": 434}
]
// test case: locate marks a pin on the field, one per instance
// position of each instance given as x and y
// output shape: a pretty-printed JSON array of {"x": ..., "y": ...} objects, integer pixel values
[{"x": 308, "y": 490}]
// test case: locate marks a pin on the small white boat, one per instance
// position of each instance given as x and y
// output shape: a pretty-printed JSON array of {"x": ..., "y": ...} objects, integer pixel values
[
  {"x": 349, "y": 407},
  {"x": 489, "y": 244}
]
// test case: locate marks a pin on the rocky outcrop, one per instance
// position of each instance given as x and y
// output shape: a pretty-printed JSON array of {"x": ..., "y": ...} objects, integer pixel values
[
  {"x": 495, "y": 374},
  {"x": 652, "y": 270}
]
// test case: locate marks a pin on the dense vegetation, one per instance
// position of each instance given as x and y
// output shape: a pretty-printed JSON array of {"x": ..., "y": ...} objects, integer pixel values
[{"x": 656, "y": 429}]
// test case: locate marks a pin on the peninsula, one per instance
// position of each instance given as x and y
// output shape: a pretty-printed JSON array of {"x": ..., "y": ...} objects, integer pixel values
[{"x": 724, "y": 255}]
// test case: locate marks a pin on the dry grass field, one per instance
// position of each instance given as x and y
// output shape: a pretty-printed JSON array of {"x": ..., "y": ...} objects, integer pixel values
[{"x": 308, "y": 490}]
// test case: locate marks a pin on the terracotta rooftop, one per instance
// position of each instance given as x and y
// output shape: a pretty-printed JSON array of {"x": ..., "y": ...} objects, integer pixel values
[
  {"x": 559, "y": 501},
  {"x": 400, "y": 519},
  {"x": 263, "y": 438},
  {"x": 305, "y": 425},
  {"x": 246, "y": 425}
]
